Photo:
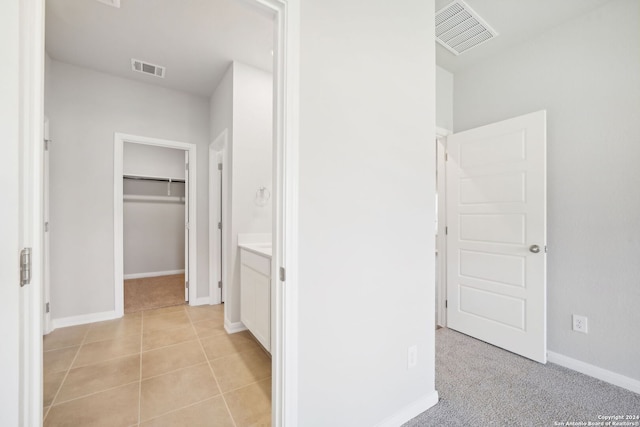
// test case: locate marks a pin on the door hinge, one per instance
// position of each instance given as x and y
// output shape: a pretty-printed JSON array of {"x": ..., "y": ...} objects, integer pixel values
[
  {"x": 25, "y": 267},
  {"x": 220, "y": 284},
  {"x": 186, "y": 284},
  {"x": 219, "y": 166},
  {"x": 446, "y": 230},
  {"x": 446, "y": 303},
  {"x": 219, "y": 226},
  {"x": 446, "y": 156},
  {"x": 46, "y": 226},
  {"x": 46, "y": 144},
  {"x": 47, "y": 308},
  {"x": 283, "y": 274},
  {"x": 186, "y": 166}
]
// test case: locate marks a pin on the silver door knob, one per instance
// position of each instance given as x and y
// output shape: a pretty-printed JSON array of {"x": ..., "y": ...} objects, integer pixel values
[{"x": 534, "y": 248}]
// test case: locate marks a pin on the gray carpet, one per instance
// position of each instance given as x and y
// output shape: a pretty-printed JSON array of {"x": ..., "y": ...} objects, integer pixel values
[{"x": 482, "y": 385}]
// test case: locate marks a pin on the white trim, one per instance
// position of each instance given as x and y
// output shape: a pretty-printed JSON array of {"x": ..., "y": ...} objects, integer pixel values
[
  {"x": 234, "y": 327},
  {"x": 46, "y": 217},
  {"x": 217, "y": 148},
  {"x": 594, "y": 371},
  {"x": 284, "y": 320},
  {"x": 441, "y": 238},
  {"x": 441, "y": 241},
  {"x": 410, "y": 411},
  {"x": 152, "y": 274},
  {"x": 31, "y": 234},
  {"x": 440, "y": 132},
  {"x": 284, "y": 324},
  {"x": 83, "y": 319},
  {"x": 118, "y": 205}
]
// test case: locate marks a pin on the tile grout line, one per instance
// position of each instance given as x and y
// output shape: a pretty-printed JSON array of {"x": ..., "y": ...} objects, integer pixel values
[
  {"x": 246, "y": 385},
  {"x": 66, "y": 374},
  {"x": 97, "y": 392},
  {"x": 181, "y": 408},
  {"x": 140, "y": 375},
  {"x": 233, "y": 421},
  {"x": 168, "y": 345}
]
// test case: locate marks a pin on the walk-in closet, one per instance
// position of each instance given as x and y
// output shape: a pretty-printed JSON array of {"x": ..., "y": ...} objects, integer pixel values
[{"x": 154, "y": 212}]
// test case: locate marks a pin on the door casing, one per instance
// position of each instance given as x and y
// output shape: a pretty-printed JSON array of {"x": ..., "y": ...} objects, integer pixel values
[
  {"x": 217, "y": 196},
  {"x": 118, "y": 227},
  {"x": 286, "y": 102}
]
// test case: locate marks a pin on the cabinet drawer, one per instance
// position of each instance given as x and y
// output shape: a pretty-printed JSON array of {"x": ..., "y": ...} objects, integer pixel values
[{"x": 259, "y": 263}]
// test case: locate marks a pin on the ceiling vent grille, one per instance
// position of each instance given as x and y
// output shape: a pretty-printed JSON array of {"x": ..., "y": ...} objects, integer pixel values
[
  {"x": 459, "y": 28},
  {"x": 147, "y": 68}
]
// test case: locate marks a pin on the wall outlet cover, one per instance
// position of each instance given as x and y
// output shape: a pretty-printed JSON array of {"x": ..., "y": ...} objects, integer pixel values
[{"x": 579, "y": 323}]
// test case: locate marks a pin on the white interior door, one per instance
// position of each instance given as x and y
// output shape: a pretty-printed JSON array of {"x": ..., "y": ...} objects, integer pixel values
[
  {"x": 186, "y": 226},
  {"x": 496, "y": 241}
]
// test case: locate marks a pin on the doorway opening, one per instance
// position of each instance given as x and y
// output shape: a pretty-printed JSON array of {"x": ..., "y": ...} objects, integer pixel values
[
  {"x": 286, "y": 22},
  {"x": 154, "y": 222}
]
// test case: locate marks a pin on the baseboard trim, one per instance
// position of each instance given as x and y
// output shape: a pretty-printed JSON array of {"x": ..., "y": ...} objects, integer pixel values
[
  {"x": 83, "y": 319},
  {"x": 201, "y": 301},
  {"x": 410, "y": 411},
  {"x": 594, "y": 371},
  {"x": 233, "y": 327},
  {"x": 152, "y": 274}
]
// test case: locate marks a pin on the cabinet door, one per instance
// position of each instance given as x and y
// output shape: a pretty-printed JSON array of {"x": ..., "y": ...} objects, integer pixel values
[
  {"x": 249, "y": 277},
  {"x": 262, "y": 329}
]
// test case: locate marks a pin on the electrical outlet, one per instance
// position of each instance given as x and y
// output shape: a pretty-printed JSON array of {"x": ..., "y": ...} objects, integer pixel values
[
  {"x": 412, "y": 356},
  {"x": 580, "y": 323}
]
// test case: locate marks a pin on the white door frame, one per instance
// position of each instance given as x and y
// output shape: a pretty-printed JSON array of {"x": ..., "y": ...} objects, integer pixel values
[
  {"x": 217, "y": 238},
  {"x": 441, "y": 240},
  {"x": 118, "y": 227},
  {"x": 284, "y": 325},
  {"x": 24, "y": 403},
  {"x": 286, "y": 101},
  {"x": 46, "y": 249}
]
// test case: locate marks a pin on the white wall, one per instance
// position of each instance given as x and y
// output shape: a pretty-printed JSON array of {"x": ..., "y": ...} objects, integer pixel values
[
  {"x": 86, "y": 108},
  {"x": 221, "y": 107},
  {"x": 153, "y": 237},
  {"x": 148, "y": 160},
  {"x": 444, "y": 99},
  {"x": 251, "y": 148},
  {"x": 586, "y": 73},
  {"x": 366, "y": 211},
  {"x": 242, "y": 104},
  {"x": 154, "y": 231},
  {"x": 10, "y": 388}
]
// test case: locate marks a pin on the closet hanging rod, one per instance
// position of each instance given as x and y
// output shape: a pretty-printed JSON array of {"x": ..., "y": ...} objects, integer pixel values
[{"x": 149, "y": 178}]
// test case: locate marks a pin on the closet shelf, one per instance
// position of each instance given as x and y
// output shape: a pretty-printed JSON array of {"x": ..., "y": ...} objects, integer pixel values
[
  {"x": 153, "y": 178},
  {"x": 164, "y": 199}
]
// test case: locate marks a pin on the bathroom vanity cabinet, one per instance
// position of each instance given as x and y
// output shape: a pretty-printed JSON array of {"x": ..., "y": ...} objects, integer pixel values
[{"x": 255, "y": 291}]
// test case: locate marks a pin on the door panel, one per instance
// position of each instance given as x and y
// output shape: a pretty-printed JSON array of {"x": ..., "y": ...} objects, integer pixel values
[{"x": 496, "y": 210}]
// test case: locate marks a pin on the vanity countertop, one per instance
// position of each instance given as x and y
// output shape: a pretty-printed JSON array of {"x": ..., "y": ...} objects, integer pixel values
[{"x": 263, "y": 249}]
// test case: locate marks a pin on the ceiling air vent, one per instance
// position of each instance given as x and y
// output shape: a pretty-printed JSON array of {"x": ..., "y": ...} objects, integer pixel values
[
  {"x": 147, "y": 68},
  {"x": 459, "y": 28}
]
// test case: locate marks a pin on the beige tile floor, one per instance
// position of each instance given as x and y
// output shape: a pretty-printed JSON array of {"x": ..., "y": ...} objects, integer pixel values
[{"x": 174, "y": 366}]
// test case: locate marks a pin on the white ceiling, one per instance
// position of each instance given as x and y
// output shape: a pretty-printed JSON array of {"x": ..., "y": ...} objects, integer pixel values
[
  {"x": 197, "y": 39},
  {"x": 194, "y": 39},
  {"x": 516, "y": 21}
]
